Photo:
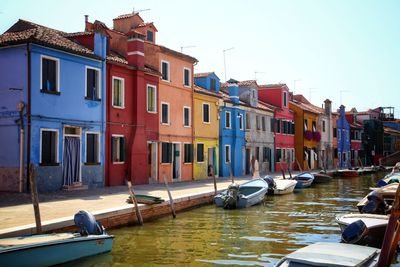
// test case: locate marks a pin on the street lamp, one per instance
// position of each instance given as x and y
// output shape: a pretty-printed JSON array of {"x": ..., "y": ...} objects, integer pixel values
[{"x": 223, "y": 51}]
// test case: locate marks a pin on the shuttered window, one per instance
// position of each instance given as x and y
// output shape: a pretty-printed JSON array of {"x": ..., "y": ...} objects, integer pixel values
[
  {"x": 92, "y": 148},
  {"x": 206, "y": 113},
  {"x": 49, "y": 147},
  {"x": 118, "y": 92},
  {"x": 186, "y": 117},
  {"x": 188, "y": 153},
  {"x": 166, "y": 152},
  {"x": 165, "y": 70},
  {"x": 92, "y": 84},
  {"x": 118, "y": 149},
  {"x": 186, "y": 77},
  {"x": 200, "y": 152},
  {"x": 165, "y": 113},
  {"x": 151, "y": 98},
  {"x": 49, "y": 75}
]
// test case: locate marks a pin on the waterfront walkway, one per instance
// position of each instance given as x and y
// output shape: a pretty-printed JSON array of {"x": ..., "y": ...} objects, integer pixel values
[{"x": 16, "y": 210}]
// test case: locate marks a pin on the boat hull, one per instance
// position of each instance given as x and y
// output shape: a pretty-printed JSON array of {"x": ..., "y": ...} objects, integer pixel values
[
  {"x": 55, "y": 252},
  {"x": 320, "y": 178},
  {"x": 284, "y": 187},
  {"x": 304, "y": 180},
  {"x": 347, "y": 173}
]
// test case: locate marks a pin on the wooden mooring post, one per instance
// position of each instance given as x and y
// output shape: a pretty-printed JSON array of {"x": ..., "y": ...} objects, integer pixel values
[
  {"x": 171, "y": 201},
  {"x": 298, "y": 165},
  {"x": 214, "y": 179},
  {"x": 137, "y": 210},
  {"x": 283, "y": 172},
  {"x": 35, "y": 199}
]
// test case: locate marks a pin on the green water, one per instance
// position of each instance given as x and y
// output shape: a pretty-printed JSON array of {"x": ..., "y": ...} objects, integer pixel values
[{"x": 257, "y": 236}]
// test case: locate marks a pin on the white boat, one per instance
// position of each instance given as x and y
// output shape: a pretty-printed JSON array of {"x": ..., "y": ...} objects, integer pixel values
[
  {"x": 280, "y": 186},
  {"x": 242, "y": 196},
  {"x": 304, "y": 179},
  {"x": 378, "y": 199},
  {"x": 331, "y": 254},
  {"x": 353, "y": 230}
]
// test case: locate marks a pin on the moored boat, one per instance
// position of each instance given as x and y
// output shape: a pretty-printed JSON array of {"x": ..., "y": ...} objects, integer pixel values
[
  {"x": 321, "y": 178},
  {"x": 378, "y": 200},
  {"x": 347, "y": 173},
  {"x": 242, "y": 196},
  {"x": 304, "y": 179},
  {"x": 280, "y": 186},
  {"x": 53, "y": 249}
]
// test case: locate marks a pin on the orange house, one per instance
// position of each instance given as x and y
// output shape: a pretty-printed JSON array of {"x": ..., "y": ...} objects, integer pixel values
[{"x": 175, "y": 107}]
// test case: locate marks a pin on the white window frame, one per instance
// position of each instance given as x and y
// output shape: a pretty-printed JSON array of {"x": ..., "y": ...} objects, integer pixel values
[
  {"x": 119, "y": 136},
  {"x": 98, "y": 80},
  {"x": 204, "y": 150},
  {"x": 98, "y": 145},
  {"x": 57, "y": 71},
  {"x": 230, "y": 120},
  {"x": 227, "y": 160},
  {"x": 161, "y": 113},
  {"x": 57, "y": 144},
  {"x": 190, "y": 115},
  {"x": 190, "y": 77},
  {"x": 184, "y": 150},
  {"x": 285, "y": 96},
  {"x": 209, "y": 113},
  {"x": 155, "y": 98},
  {"x": 122, "y": 92},
  {"x": 169, "y": 70},
  {"x": 240, "y": 115}
]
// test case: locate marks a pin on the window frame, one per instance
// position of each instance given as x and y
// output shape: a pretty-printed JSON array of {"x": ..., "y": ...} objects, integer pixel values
[
  {"x": 168, "y": 115},
  {"x": 227, "y": 159},
  {"x": 168, "y": 71},
  {"x": 189, "y": 117},
  {"x": 230, "y": 120},
  {"x": 147, "y": 98},
  {"x": 285, "y": 102},
  {"x": 197, "y": 153},
  {"x": 152, "y": 36},
  {"x": 98, "y": 97},
  {"x": 189, "y": 77},
  {"x": 263, "y": 124},
  {"x": 209, "y": 113},
  {"x": 57, "y": 60},
  {"x": 240, "y": 117},
  {"x": 169, "y": 158},
  {"x": 119, "y": 136},
  {"x": 248, "y": 121},
  {"x": 122, "y": 92},
  {"x": 56, "y": 147},
  {"x": 184, "y": 153},
  {"x": 98, "y": 148}
]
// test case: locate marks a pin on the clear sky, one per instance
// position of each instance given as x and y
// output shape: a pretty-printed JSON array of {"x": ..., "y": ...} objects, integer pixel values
[{"x": 347, "y": 51}]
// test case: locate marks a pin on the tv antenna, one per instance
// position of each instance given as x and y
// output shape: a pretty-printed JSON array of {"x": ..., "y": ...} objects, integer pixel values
[
  {"x": 188, "y": 46},
  {"x": 134, "y": 12}
]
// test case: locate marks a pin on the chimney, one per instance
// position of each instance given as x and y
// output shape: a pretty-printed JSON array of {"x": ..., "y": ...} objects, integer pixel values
[
  {"x": 86, "y": 18},
  {"x": 233, "y": 90},
  {"x": 135, "y": 51},
  {"x": 328, "y": 107}
]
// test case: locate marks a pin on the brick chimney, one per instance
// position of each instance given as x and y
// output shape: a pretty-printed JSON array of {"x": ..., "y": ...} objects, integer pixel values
[
  {"x": 328, "y": 107},
  {"x": 135, "y": 49}
]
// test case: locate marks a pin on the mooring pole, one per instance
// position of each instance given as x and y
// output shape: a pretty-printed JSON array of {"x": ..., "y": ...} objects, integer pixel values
[
  {"x": 171, "y": 201},
  {"x": 137, "y": 210},
  {"x": 35, "y": 199},
  {"x": 215, "y": 180}
]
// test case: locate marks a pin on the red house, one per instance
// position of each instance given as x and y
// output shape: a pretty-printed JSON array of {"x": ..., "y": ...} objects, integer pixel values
[
  {"x": 131, "y": 103},
  {"x": 278, "y": 96},
  {"x": 356, "y": 130}
]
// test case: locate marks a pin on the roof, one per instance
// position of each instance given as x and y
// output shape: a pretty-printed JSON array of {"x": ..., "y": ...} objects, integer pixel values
[
  {"x": 198, "y": 89},
  {"x": 356, "y": 125},
  {"x": 203, "y": 74},
  {"x": 74, "y": 34},
  {"x": 125, "y": 16},
  {"x": 270, "y": 86},
  {"x": 174, "y": 53},
  {"x": 247, "y": 83},
  {"x": 391, "y": 131},
  {"x": 28, "y": 32}
]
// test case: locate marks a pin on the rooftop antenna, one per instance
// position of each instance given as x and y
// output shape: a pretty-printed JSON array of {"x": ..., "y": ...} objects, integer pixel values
[
  {"x": 310, "y": 90},
  {"x": 188, "y": 46},
  {"x": 257, "y": 72},
  {"x": 134, "y": 12},
  {"x": 294, "y": 85}
]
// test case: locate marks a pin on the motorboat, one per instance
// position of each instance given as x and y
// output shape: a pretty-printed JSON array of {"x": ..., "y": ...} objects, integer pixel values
[
  {"x": 363, "y": 229},
  {"x": 304, "y": 179},
  {"x": 347, "y": 173},
  {"x": 331, "y": 254},
  {"x": 320, "y": 178},
  {"x": 242, "y": 196},
  {"x": 378, "y": 200},
  {"x": 280, "y": 186},
  {"x": 58, "y": 248}
]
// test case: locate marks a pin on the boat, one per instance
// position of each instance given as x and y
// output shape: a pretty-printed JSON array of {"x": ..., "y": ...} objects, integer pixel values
[
  {"x": 331, "y": 254},
  {"x": 280, "y": 186},
  {"x": 53, "y": 249},
  {"x": 389, "y": 179},
  {"x": 304, "y": 179},
  {"x": 363, "y": 229},
  {"x": 378, "y": 200},
  {"x": 347, "y": 173},
  {"x": 242, "y": 196},
  {"x": 321, "y": 178},
  {"x": 145, "y": 199}
]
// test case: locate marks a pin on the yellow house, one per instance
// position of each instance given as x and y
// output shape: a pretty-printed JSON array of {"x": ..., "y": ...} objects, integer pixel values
[{"x": 206, "y": 126}]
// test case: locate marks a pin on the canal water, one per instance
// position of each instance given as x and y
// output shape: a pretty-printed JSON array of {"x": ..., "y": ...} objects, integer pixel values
[{"x": 256, "y": 236}]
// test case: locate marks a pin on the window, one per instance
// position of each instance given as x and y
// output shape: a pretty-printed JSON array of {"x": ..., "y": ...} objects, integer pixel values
[
  {"x": 258, "y": 154},
  {"x": 347, "y": 135},
  {"x": 284, "y": 127},
  {"x": 323, "y": 126},
  {"x": 305, "y": 125},
  {"x": 186, "y": 116},
  {"x": 213, "y": 84},
  {"x": 356, "y": 135},
  {"x": 227, "y": 153},
  {"x": 49, "y": 75},
  {"x": 165, "y": 70},
  {"x": 227, "y": 119},
  {"x": 150, "y": 36},
  {"x": 314, "y": 126},
  {"x": 186, "y": 77},
  {"x": 118, "y": 148},
  {"x": 200, "y": 152},
  {"x": 278, "y": 154},
  {"x": 263, "y": 124},
  {"x": 165, "y": 113},
  {"x": 334, "y": 132},
  {"x": 240, "y": 117},
  {"x": 293, "y": 128},
  {"x": 257, "y": 122},
  {"x": 92, "y": 148},
  {"x": 339, "y": 133},
  {"x": 206, "y": 113},
  {"x": 118, "y": 92},
  {"x": 285, "y": 99},
  {"x": 49, "y": 147},
  {"x": 188, "y": 153},
  {"x": 266, "y": 154},
  {"x": 92, "y": 83},
  {"x": 272, "y": 122},
  {"x": 151, "y": 98},
  {"x": 278, "y": 126},
  {"x": 166, "y": 152},
  {"x": 248, "y": 122}
]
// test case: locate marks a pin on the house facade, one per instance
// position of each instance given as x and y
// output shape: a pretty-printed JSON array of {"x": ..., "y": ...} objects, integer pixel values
[
  {"x": 63, "y": 118},
  {"x": 325, "y": 123},
  {"x": 343, "y": 139},
  {"x": 356, "y": 133},
  {"x": 207, "y": 100},
  {"x": 282, "y": 125}
]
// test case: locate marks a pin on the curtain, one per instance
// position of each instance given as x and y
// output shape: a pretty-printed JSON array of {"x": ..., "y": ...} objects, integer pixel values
[{"x": 71, "y": 160}]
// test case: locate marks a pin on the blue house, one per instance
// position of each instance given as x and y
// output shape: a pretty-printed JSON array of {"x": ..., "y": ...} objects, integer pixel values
[
  {"x": 57, "y": 87},
  {"x": 232, "y": 135},
  {"x": 343, "y": 139}
]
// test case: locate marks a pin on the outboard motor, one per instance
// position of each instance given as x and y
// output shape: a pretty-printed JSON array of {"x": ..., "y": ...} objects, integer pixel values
[
  {"x": 230, "y": 201},
  {"x": 87, "y": 224},
  {"x": 271, "y": 184},
  {"x": 356, "y": 233},
  {"x": 376, "y": 204}
]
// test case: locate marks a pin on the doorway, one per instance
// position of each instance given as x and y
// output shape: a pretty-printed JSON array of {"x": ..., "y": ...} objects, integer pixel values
[
  {"x": 211, "y": 161},
  {"x": 72, "y": 155},
  {"x": 152, "y": 161},
  {"x": 176, "y": 161},
  {"x": 248, "y": 159}
]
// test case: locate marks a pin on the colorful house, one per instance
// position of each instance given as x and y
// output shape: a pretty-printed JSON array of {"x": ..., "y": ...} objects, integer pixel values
[
  {"x": 206, "y": 124},
  {"x": 325, "y": 122},
  {"x": 63, "y": 118},
  {"x": 343, "y": 139},
  {"x": 283, "y": 124},
  {"x": 307, "y": 132},
  {"x": 232, "y": 134},
  {"x": 356, "y": 132},
  {"x": 131, "y": 108}
]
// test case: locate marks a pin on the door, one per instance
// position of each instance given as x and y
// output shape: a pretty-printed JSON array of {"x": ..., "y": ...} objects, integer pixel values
[
  {"x": 152, "y": 161},
  {"x": 248, "y": 154},
  {"x": 176, "y": 163},
  {"x": 211, "y": 161},
  {"x": 71, "y": 160}
]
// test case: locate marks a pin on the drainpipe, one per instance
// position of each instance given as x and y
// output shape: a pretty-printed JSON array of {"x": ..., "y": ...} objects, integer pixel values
[
  {"x": 273, "y": 169},
  {"x": 192, "y": 123},
  {"x": 107, "y": 133},
  {"x": 20, "y": 108},
  {"x": 28, "y": 153}
]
